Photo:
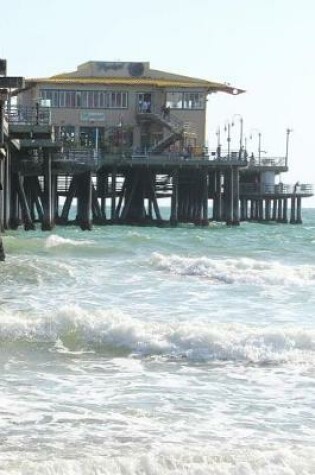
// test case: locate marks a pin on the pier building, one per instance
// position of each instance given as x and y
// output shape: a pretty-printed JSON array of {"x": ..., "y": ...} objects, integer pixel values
[{"x": 114, "y": 139}]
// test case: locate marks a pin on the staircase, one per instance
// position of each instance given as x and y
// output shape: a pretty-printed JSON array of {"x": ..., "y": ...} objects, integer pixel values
[{"x": 170, "y": 122}]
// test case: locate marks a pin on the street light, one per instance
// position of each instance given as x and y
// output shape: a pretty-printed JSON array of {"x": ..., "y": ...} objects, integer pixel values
[
  {"x": 241, "y": 131},
  {"x": 218, "y": 134},
  {"x": 287, "y": 146},
  {"x": 227, "y": 128},
  {"x": 259, "y": 143}
]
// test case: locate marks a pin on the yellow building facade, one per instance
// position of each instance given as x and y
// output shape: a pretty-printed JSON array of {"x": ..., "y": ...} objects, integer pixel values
[{"x": 125, "y": 107}]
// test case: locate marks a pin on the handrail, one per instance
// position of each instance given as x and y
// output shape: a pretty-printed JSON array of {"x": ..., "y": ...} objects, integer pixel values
[
  {"x": 267, "y": 162},
  {"x": 24, "y": 115},
  {"x": 225, "y": 155},
  {"x": 279, "y": 189},
  {"x": 167, "y": 116}
]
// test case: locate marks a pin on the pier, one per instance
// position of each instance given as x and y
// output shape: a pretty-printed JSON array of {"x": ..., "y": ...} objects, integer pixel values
[
  {"x": 50, "y": 175},
  {"x": 43, "y": 182}
]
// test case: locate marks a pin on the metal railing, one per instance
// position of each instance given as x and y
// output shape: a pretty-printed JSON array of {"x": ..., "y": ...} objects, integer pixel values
[
  {"x": 81, "y": 155},
  {"x": 225, "y": 156},
  {"x": 279, "y": 189},
  {"x": 34, "y": 115},
  {"x": 241, "y": 155},
  {"x": 267, "y": 162}
]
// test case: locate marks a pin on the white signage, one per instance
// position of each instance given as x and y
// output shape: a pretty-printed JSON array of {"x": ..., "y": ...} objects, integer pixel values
[{"x": 90, "y": 116}]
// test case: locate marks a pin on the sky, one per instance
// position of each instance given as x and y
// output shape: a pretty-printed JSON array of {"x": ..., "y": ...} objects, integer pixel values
[{"x": 266, "y": 47}]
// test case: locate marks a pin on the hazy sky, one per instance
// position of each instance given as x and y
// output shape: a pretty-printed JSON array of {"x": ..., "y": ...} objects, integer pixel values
[{"x": 264, "y": 46}]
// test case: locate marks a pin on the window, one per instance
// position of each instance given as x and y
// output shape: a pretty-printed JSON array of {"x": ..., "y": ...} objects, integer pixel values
[
  {"x": 78, "y": 99},
  {"x": 116, "y": 100},
  {"x": 185, "y": 100},
  {"x": 86, "y": 99},
  {"x": 174, "y": 100},
  {"x": 193, "y": 100},
  {"x": 62, "y": 100}
]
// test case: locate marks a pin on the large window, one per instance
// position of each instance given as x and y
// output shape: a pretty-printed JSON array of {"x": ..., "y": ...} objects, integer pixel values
[
  {"x": 193, "y": 100},
  {"x": 86, "y": 99},
  {"x": 174, "y": 100},
  {"x": 185, "y": 100}
]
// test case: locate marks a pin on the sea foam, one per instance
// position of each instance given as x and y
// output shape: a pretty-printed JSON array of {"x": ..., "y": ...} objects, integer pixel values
[
  {"x": 73, "y": 328},
  {"x": 238, "y": 270},
  {"x": 55, "y": 241},
  {"x": 173, "y": 460}
]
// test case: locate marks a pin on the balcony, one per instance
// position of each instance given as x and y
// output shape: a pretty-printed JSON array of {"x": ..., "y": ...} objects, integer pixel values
[{"x": 22, "y": 115}]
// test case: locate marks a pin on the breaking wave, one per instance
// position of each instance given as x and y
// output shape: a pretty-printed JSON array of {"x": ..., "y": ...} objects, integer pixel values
[
  {"x": 175, "y": 461},
  {"x": 240, "y": 270},
  {"x": 72, "y": 328},
  {"x": 55, "y": 241}
]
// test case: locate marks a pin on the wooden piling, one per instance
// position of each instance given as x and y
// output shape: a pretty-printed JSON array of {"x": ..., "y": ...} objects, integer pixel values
[
  {"x": 235, "y": 200},
  {"x": 174, "y": 200},
  {"x": 293, "y": 210},
  {"x": 48, "y": 221}
]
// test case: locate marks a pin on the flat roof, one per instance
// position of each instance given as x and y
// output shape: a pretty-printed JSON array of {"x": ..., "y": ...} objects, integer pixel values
[
  {"x": 121, "y": 73},
  {"x": 151, "y": 82}
]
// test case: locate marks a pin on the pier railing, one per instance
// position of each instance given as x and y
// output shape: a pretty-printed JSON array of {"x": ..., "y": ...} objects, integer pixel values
[
  {"x": 279, "y": 189},
  {"x": 267, "y": 162},
  {"x": 232, "y": 155},
  {"x": 35, "y": 115}
]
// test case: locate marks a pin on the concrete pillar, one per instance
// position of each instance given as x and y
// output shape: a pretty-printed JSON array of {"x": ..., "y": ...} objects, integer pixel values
[
  {"x": 48, "y": 221},
  {"x": 228, "y": 196},
  {"x": 293, "y": 210},
  {"x": 260, "y": 209},
  {"x": 85, "y": 198},
  {"x": 205, "y": 218},
  {"x": 285, "y": 210},
  {"x": 2, "y": 254},
  {"x": 174, "y": 200},
  {"x": 267, "y": 209},
  {"x": 299, "y": 210},
  {"x": 274, "y": 209},
  {"x": 280, "y": 215},
  {"x": 236, "y": 197}
]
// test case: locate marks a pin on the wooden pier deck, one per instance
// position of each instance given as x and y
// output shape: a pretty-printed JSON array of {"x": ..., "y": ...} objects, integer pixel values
[{"x": 42, "y": 182}]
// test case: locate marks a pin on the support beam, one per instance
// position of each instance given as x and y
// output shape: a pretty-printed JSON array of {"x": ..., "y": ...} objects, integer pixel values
[
  {"x": 174, "y": 200},
  {"x": 293, "y": 210},
  {"x": 298, "y": 210},
  {"x": 2, "y": 254},
  {"x": 85, "y": 201},
  {"x": 64, "y": 218},
  {"x": 48, "y": 219},
  {"x": 28, "y": 223},
  {"x": 236, "y": 198},
  {"x": 205, "y": 217},
  {"x": 113, "y": 194}
]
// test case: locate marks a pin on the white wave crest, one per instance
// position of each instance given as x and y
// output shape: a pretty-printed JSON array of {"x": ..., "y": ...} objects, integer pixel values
[
  {"x": 241, "y": 270},
  {"x": 173, "y": 460},
  {"x": 55, "y": 241},
  {"x": 75, "y": 329}
]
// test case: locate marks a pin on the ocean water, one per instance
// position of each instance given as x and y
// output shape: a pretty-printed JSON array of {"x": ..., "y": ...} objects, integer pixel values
[{"x": 137, "y": 350}]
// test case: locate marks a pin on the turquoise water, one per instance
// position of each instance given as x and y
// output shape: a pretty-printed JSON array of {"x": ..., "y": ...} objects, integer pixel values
[{"x": 129, "y": 350}]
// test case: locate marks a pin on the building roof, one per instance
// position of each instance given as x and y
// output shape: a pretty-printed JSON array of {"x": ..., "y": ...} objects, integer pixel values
[{"x": 131, "y": 74}]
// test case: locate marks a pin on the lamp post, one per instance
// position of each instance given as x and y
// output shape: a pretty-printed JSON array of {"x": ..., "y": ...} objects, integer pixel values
[
  {"x": 288, "y": 131},
  {"x": 241, "y": 131},
  {"x": 227, "y": 128},
  {"x": 259, "y": 143},
  {"x": 218, "y": 134}
]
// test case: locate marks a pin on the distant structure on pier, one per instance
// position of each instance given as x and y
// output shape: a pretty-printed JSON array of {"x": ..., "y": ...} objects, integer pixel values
[
  {"x": 121, "y": 106},
  {"x": 113, "y": 138}
]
